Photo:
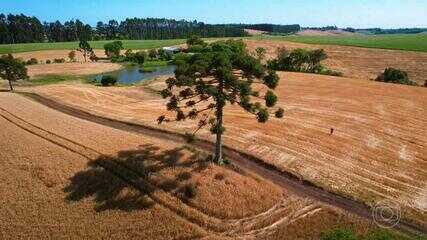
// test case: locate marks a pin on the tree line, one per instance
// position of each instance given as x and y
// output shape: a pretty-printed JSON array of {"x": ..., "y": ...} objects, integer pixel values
[
  {"x": 24, "y": 29},
  {"x": 274, "y": 28},
  {"x": 393, "y": 31},
  {"x": 327, "y": 28}
]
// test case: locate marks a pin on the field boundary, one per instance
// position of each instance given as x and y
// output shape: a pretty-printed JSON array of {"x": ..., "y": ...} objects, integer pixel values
[{"x": 243, "y": 160}]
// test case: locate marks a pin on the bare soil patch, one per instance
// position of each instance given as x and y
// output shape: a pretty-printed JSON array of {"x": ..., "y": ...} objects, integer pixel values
[
  {"x": 354, "y": 62},
  {"x": 253, "y": 32}
]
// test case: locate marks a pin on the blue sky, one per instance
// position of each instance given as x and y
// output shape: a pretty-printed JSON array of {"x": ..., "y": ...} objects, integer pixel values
[{"x": 343, "y": 13}]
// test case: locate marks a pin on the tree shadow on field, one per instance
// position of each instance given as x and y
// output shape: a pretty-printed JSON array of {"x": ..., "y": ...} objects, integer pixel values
[{"x": 126, "y": 181}]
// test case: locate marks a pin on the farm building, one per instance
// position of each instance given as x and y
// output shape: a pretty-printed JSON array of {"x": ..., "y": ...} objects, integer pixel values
[{"x": 172, "y": 50}]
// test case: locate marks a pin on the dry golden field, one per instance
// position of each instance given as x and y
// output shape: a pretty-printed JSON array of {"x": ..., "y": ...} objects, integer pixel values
[
  {"x": 64, "y": 177},
  {"x": 376, "y": 152},
  {"x": 71, "y": 69},
  {"x": 44, "y": 55},
  {"x": 309, "y": 32},
  {"x": 356, "y": 62}
]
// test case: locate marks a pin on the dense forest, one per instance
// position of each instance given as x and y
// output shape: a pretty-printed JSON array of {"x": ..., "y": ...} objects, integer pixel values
[
  {"x": 273, "y": 28},
  {"x": 24, "y": 29}
]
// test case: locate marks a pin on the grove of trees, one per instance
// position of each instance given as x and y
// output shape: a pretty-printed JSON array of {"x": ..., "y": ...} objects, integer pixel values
[
  {"x": 23, "y": 29},
  {"x": 298, "y": 60}
]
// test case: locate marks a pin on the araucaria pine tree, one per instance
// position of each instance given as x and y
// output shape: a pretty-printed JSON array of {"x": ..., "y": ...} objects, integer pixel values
[{"x": 222, "y": 73}]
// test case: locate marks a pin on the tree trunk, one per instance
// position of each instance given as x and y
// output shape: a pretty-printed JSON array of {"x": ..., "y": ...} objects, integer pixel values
[
  {"x": 219, "y": 112},
  {"x": 10, "y": 85},
  {"x": 218, "y": 145}
]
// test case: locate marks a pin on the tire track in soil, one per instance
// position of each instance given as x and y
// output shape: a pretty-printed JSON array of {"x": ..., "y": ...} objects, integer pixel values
[
  {"x": 117, "y": 168},
  {"x": 91, "y": 155},
  {"x": 243, "y": 160}
]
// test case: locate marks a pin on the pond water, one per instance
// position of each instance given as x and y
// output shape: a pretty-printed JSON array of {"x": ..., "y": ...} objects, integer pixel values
[{"x": 133, "y": 74}]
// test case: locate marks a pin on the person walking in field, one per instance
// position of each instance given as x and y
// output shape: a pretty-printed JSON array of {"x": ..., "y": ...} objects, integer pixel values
[{"x": 332, "y": 131}]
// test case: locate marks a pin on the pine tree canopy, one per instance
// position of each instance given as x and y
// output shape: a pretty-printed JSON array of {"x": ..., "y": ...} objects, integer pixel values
[{"x": 221, "y": 73}]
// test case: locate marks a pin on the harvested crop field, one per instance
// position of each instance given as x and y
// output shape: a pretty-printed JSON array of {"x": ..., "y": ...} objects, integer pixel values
[
  {"x": 67, "y": 177},
  {"x": 324, "y": 33},
  {"x": 377, "y": 150},
  {"x": 75, "y": 69},
  {"x": 69, "y": 68},
  {"x": 44, "y": 55},
  {"x": 355, "y": 62},
  {"x": 253, "y": 32}
]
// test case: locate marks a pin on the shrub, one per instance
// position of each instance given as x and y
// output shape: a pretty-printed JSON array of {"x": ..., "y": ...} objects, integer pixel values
[
  {"x": 189, "y": 191},
  {"x": 48, "y": 61},
  {"x": 338, "y": 234},
  {"x": 331, "y": 73},
  {"x": 153, "y": 53},
  {"x": 181, "y": 58},
  {"x": 32, "y": 61},
  {"x": 392, "y": 75},
  {"x": 113, "y": 49},
  {"x": 195, "y": 40},
  {"x": 196, "y": 48},
  {"x": 378, "y": 234},
  {"x": 93, "y": 57},
  {"x": 190, "y": 137},
  {"x": 139, "y": 57},
  {"x": 226, "y": 161},
  {"x": 108, "y": 80},
  {"x": 165, "y": 55},
  {"x": 128, "y": 53},
  {"x": 118, "y": 59},
  {"x": 72, "y": 56},
  {"x": 146, "y": 70},
  {"x": 280, "y": 113},
  {"x": 59, "y": 60},
  {"x": 260, "y": 53}
]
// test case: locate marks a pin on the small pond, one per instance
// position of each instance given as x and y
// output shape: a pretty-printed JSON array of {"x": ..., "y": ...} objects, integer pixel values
[{"x": 133, "y": 74}]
